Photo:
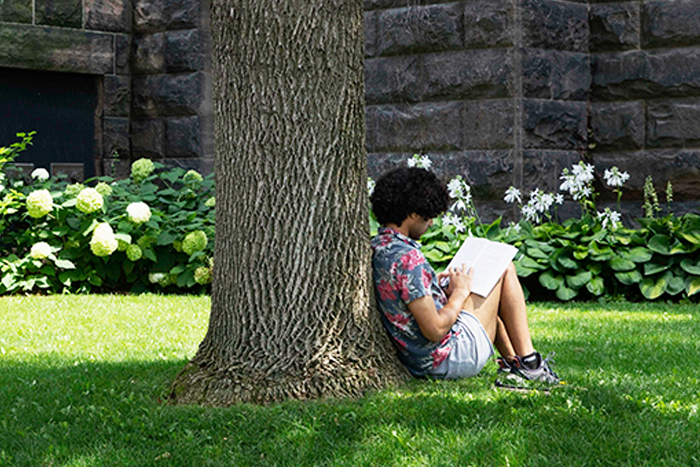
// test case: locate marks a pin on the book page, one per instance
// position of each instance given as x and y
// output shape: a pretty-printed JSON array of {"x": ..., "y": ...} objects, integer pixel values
[{"x": 489, "y": 260}]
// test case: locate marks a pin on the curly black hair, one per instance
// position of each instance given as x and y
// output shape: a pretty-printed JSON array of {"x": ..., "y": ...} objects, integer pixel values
[{"x": 403, "y": 191}]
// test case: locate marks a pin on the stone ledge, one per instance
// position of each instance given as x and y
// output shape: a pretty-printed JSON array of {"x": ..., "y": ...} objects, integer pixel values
[{"x": 55, "y": 49}]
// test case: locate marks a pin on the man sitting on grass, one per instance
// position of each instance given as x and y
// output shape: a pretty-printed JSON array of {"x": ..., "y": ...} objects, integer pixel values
[{"x": 442, "y": 333}]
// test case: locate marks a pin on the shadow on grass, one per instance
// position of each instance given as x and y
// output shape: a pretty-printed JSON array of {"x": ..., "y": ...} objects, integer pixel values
[{"x": 110, "y": 414}]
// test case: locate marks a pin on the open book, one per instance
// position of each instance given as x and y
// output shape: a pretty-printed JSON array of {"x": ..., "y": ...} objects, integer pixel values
[{"x": 489, "y": 260}]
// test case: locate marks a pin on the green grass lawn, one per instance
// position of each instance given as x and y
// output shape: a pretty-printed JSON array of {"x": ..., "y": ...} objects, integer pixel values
[{"x": 81, "y": 379}]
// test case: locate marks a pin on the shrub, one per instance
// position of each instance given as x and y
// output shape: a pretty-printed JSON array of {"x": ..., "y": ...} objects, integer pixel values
[{"x": 105, "y": 234}]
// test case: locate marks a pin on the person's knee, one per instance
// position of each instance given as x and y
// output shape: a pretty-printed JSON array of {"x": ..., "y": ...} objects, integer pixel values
[{"x": 510, "y": 270}]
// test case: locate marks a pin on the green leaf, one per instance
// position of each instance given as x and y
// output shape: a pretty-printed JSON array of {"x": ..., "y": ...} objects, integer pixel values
[
  {"x": 690, "y": 236},
  {"x": 69, "y": 203},
  {"x": 522, "y": 270},
  {"x": 620, "y": 264},
  {"x": 596, "y": 286},
  {"x": 434, "y": 256},
  {"x": 177, "y": 270},
  {"x": 537, "y": 253},
  {"x": 539, "y": 245},
  {"x": 660, "y": 244},
  {"x": 530, "y": 263},
  {"x": 652, "y": 268},
  {"x": 73, "y": 222},
  {"x": 150, "y": 254},
  {"x": 551, "y": 281},
  {"x": 567, "y": 262},
  {"x": 690, "y": 266},
  {"x": 629, "y": 278},
  {"x": 64, "y": 264},
  {"x": 123, "y": 237},
  {"x": 653, "y": 288},
  {"x": 565, "y": 294},
  {"x": 442, "y": 246},
  {"x": 167, "y": 238},
  {"x": 580, "y": 279},
  {"x": 639, "y": 254},
  {"x": 90, "y": 228},
  {"x": 692, "y": 285},
  {"x": 94, "y": 279},
  {"x": 601, "y": 254},
  {"x": 674, "y": 284},
  {"x": 128, "y": 266},
  {"x": 125, "y": 226},
  {"x": 580, "y": 254}
]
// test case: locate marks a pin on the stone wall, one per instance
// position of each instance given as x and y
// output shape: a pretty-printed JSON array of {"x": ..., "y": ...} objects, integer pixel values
[
  {"x": 152, "y": 63},
  {"x": 645, "y": 97},
  {"x": 503, "y": 92},
  {"x": 509, "y": 92}
]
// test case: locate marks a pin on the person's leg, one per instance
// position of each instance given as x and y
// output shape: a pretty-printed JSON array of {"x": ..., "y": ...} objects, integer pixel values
[{"x": 505, "y": 304}]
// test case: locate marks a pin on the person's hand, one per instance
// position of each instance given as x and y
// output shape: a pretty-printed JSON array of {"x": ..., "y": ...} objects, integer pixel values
[{"x": 460, "y": 281}]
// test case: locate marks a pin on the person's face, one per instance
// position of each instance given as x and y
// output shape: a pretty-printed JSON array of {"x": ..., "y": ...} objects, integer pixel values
[{"x": 418, "y": 226}]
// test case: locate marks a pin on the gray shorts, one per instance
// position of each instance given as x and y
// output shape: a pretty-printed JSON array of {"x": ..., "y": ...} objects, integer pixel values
[{"x": 471, "y": 349}]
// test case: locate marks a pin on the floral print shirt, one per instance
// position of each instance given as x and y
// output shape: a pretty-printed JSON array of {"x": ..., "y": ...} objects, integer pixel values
[{"x": 401, "y": 275}]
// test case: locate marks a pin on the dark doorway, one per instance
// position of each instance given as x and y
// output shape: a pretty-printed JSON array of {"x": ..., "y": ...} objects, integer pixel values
[{"x": 60, "y": 107}]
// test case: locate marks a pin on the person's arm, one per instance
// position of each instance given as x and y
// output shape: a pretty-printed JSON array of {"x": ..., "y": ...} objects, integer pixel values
[{"x": 434, "y": 323}]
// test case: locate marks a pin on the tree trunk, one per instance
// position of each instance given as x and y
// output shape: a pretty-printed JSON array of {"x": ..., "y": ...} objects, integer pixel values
[{"x": 291, "y": 311}]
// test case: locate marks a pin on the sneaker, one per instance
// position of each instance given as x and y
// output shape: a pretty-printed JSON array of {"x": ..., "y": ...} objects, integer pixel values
[{"x": 543, "y": 373}]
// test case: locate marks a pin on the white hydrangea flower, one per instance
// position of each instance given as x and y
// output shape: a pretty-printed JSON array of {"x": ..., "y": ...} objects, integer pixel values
[
  {"x": 156, "y": 277},
  {"x": 420, "y": 162},
  {"x": 609, "y": 217},
  {"x": 39, "y": 203},
  {"x": 104, "y": 189},
  {"x": 40, "y": 174},
  {"x": 202, "y": 275},
  {"x": 138, "y": 213},
  {"x": 512, "y": 195},
  {"x": 89, "y": 200},
  {"x": 40, "y": 250},
  {"x": 370, "y": 185},
  {"x": 615, "y": 178},
  {"x": 103, "y": 242}
]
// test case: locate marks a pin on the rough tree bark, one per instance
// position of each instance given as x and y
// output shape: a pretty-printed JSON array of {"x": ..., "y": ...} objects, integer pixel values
[{"x": 291, "y": 311}]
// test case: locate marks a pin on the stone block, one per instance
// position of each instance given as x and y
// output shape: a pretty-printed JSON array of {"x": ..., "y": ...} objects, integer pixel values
[
  {"x": 183, "y": 51},
  {"x": 203, "y": 165},
  {"x": 551, "y": 24},
  {"x": 108, "y": 15},
  {"x": 117, "y": 96},
  {"x": 148, "y": 55},
  {"x": 370, "y": 33},
  {"x": 411, "y": 30},
  {"x": 643, "y": 74},
  {"x": 148, "y": 138},
  {"x": 183, "y": 137},
  {"x": 488, "y": 124},
  {"x": 16, "y": 11},
  {"x": 168, "y": 95},
  {"x": 56, "y": 49},
  {"x": 122, "y": 51},
  {"x": 161, "y": 15},
  {"x": 680, "y": 166},
  {"x": 489, "y": 173},
  {"x": 674, "y": 123},
  {"x": 392, "y": 79},
  {"x": 614, "y": 26},
  {"x": 115, "y": 138},
  {"x": 381, "y": 4},
  {"x": 554, "y": 124},
  {"x": 542, "y": 169},
  {"x": 488, "y": 23},
  {"x": 423, "y": 127},
  {"x": 553, "y": 74},
  {"x": 470, "y": 74},
  {"x": 617, "y": 125},
  {"x": 116, "y": 168},
  {"x": 670, "y": 23},
  {"x": 65, "y": 13}
]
